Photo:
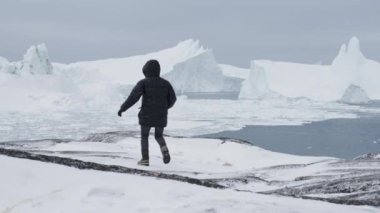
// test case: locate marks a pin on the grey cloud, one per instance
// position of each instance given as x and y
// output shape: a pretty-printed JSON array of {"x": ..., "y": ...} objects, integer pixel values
[{"x": 238, "y": 31}]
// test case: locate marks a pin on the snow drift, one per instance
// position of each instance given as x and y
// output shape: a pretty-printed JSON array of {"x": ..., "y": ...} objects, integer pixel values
[{"x": 317, "y": 82}]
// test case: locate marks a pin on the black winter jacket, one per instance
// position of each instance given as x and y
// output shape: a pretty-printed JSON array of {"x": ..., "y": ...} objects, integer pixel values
[{"x": 157, "y": 97}]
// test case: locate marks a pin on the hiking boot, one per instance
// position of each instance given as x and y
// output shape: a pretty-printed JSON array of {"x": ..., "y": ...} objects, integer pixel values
[
  {"x": 165, "y": 154},
  {"x": 143, "y": 162}
]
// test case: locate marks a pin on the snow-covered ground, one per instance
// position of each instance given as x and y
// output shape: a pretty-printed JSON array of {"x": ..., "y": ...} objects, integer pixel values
[
  {"x": 47, "y": 187},
  {"x": 50, "y": 188}
]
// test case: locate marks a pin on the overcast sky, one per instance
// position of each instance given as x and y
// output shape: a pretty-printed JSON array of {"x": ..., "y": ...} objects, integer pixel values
[{"x": 237, "y": 30}]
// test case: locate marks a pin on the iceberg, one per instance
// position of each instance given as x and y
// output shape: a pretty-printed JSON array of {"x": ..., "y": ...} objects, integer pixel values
[
  {"x": 37, "y": 83},
  {"x": 128, "y": 70},
  {"x": 352, "y": 67},
  {"x": 201, "y": 74},
  {"x": 316, "y": 82},
  {"x": 36, "y": 61},
  {"x": 354, "y": 95},
  {"x": 193, "y": 71},
  {"x": 233, "y": 71},
  {"x": 256, "y": 85},
  {"x": 287, "y": 79},
  {"x": 33, "y": 82}
]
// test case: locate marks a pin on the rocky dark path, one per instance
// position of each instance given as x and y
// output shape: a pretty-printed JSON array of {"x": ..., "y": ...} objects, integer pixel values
[{"x": 105, "y": 168}]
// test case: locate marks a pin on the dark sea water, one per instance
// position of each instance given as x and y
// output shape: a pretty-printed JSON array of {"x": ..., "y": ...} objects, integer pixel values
[{"x": 342, "y": 138}]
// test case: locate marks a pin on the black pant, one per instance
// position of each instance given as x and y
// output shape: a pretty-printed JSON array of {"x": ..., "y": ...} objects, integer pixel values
[{"x": 158, "y": 135}]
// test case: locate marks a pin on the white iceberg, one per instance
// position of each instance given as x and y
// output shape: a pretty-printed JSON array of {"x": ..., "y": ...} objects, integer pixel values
[
  {"x": 318, "y": 82},
  {"x": 36, "y": 61},
  {"x": 128, "y": 70},
  {"x": 355, "y": 95},
  {"x": 37, "y": 83},
  {"x": 233, "y": 71},
  {"x": 256, "y": 85},
  {"x": 201, "y": 74}
]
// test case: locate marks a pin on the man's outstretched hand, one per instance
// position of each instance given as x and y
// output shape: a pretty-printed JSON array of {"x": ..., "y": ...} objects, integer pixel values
[{"x": 119, "y": 113}]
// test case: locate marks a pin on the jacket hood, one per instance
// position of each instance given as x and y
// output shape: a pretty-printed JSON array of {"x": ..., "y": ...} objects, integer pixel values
[{"x": 151, "y": 68}]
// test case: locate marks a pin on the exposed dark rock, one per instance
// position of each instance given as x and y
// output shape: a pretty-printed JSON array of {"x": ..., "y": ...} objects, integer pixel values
[
  {"x": 361, "y": 190},
  {"x": 369, "y": 156}
]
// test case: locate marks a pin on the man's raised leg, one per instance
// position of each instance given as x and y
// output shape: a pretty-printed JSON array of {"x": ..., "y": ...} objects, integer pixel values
[{"x": 159, "y": 136}]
